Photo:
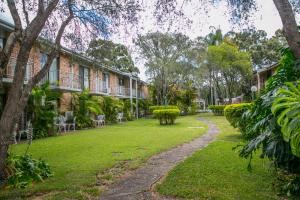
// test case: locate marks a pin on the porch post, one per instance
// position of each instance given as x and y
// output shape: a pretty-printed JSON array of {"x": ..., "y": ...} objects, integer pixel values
[
  {"x": 130, "y": 92},
  {"x": 137, "y": 99}
]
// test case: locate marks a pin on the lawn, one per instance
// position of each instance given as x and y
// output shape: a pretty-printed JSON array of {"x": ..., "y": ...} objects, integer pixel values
[
  {"x": 77, "y": 158},
  {"x": 217, "y": 172}
]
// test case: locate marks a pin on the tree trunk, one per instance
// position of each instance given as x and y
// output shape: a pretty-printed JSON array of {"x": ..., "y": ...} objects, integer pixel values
[{"x": 290, "y": 27}]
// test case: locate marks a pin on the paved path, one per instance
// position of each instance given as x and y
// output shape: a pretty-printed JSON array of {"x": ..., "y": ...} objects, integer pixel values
[{"x": 138, "y": 184}]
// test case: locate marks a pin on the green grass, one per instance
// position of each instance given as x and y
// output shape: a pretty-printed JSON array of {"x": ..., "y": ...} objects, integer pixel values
[
  {"x": 217, "y": 172},
  {"x": 78, "y": 157}
]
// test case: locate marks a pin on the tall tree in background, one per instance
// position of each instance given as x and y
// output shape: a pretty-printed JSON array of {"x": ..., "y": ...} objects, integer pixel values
[
  {"x": 232, "y": 66},
  {"x": 166, "y": 60},
  {"x": 54, "y": 20},
  {"x": 112, "y": 55},
  {"x": 263, "y": 51}
]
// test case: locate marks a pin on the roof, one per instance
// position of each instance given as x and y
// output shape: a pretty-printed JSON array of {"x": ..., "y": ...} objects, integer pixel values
[{"x": 272, "y": 66}]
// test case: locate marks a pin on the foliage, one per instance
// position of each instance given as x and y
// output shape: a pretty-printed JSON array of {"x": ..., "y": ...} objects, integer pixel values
[
  {"x": 234, "y": 113},
  {"x": 42, "y": 107},
  {"x": 167, "y": 61},
  {"x": 230, "y": 65},
  {"x": 153, "y": 108},
  {"x": 166, "y": 116},
  {"x": 286, "y": 108},
  {"x": 263, "y": 50},
  {"x": 84, "y": 106},
  {"x": 288, "y": 184},
  {"x": 24, "y": 170},
  {"x": 111, "y": 107},
  {"x": 217, "y": 109},
  {"x": 262, "y": 128},
  {"x": 112, "y": 55}
]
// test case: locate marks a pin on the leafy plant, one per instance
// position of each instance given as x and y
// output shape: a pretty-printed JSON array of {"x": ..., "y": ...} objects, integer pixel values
[
  {"x": 111, "y": 107},
  {"x": 217, "y": 109},
  {"x": 166, "y": 116},
  {"x": 24, "y": 170},
  {"x": 85, "y": 106},
  {"x": 42, "y": 108},
  {"x": 262, "y": 127},
  {"x": 234, "y": 113},
  {"x": 286, "y": 108},
  {"x": 287, "y": 183}
]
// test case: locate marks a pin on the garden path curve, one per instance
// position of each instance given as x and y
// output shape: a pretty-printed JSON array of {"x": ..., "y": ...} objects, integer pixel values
[{"x": 139, "y": 183}]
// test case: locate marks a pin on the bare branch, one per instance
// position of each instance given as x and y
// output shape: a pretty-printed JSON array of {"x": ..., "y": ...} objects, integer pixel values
[
  {"x": 14, "y": 13},
  {"x": 25, "y": 12},
  {"x": 41, "y": 8}
]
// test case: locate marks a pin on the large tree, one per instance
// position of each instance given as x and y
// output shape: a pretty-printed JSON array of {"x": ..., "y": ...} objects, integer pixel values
[
  {"x": 112, "y": 55},
  {"x": 166, "y": 58},
  {"x": 230, "y": 65},
  {"x": 52, "y": 20}
]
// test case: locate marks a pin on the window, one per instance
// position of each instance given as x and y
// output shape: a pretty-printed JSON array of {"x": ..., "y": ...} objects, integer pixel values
[
  {"x": 121, "y": 82},
  {"x": 51, "y": 76},
  {"x": 105, "y": 81},
  {"x": 84, "y": 77}
]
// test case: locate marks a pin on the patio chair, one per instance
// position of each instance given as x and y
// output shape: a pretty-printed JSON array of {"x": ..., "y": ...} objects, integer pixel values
[
  {"x": 72, "y": 124},
  {"x": 120, "y": 117},
  {"x": 61, "y": 124},
  {"x": 99, "y": 121}
]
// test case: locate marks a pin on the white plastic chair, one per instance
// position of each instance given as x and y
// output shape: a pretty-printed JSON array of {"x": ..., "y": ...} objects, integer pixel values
[{"x": 120, "y": 117}]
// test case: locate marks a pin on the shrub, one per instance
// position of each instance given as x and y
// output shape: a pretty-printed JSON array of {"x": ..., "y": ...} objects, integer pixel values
[
  {"x": 111, "y": 107},
  {"x": 166, "y": 116},
  {"x": 84, "y": 106},
  {"x": 153, "y": 108},
  {"x": 217, "y": 109},
  {"x": 42, "y": 109},
  {"x": 24, "y": 170},
  {"x": 234, "y": 113},
  {"x": 287, "y": 183}
]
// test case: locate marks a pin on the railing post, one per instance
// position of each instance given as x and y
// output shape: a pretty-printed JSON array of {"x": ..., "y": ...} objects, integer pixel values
[
  {"x": 130, "y": 93},
  {"x": 136, "y": 97}
]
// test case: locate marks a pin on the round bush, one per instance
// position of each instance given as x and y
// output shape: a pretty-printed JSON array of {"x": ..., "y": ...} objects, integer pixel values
[{"x": 166, "y": 116}]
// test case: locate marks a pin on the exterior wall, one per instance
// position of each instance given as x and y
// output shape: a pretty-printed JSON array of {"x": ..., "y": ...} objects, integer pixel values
[
  {"x": 263, "y": 76},
  {"x": 66, "y": 67},
  {"x": 65, "y": 102}
]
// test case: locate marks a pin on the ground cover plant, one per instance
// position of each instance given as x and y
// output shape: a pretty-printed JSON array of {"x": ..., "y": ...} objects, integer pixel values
[
  {"x": 217, "y": 172},
  {"x": 77, "y": 158}
]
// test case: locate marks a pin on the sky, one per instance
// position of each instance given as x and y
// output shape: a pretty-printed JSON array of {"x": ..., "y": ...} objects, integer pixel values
[
  {"x": 202, "y": 18},
  {"x": 266, "y": 18}
]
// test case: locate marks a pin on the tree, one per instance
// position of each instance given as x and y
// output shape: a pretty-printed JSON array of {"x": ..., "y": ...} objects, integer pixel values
[
  {"x": 263, "y": 51},
  {"x": 167, "y": 62},
  {"x": 49, "y": 19},
  {"x": 233, "y": 66},
  {"x": 112, "y": 55}
]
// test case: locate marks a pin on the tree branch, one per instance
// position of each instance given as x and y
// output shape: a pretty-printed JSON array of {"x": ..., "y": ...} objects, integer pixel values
[
  {"x": 14, "y": 13},
  {"x": 25, "y": 12}
]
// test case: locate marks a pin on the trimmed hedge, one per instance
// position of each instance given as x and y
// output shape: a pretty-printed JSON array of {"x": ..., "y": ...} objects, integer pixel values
[
  {"x": 217, "y": 109},
  {"x": 152, "y": 108},
  {"x": 234, "y": 114},
  {"x": 166, "y": 116}
]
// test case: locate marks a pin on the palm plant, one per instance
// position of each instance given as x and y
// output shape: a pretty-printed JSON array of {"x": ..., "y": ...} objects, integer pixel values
[{"x": 286, "y": 107}]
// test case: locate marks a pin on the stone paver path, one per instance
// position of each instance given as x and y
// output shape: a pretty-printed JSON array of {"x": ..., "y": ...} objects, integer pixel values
[{"x": 138, "y": 184}]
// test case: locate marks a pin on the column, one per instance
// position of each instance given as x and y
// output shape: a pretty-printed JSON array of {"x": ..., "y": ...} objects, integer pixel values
[
  {"x": 130, "y": 92},
  {"x": 137, "y": 99}
]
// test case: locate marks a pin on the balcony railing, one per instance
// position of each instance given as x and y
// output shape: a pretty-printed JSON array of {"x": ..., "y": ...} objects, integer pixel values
[
  {"x": 100, "y": 87},
  {"x": 10, "y": 71},
  {"x": 70, "y": 81}
]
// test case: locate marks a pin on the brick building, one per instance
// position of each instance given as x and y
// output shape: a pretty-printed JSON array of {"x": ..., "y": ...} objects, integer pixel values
[{"x": 72, "y": 72}]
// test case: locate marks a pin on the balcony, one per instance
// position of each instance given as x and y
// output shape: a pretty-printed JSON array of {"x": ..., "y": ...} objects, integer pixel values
[
  {"x": 100, "y": 87},
  {"x": 10, "y": 71}
]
